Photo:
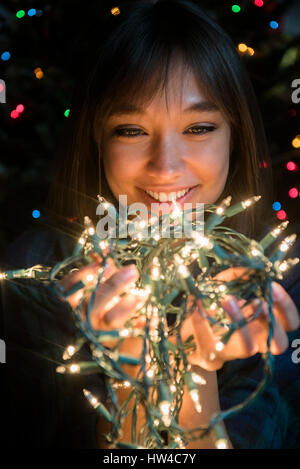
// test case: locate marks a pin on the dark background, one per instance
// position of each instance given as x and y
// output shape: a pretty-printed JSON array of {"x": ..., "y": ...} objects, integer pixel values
[{"x": 50, "y": 40}]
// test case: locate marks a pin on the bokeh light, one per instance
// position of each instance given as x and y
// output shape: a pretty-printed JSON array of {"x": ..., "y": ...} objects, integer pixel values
[
  {"x": 281, "y": 215},
  {"x": 293, "y": 193},
  {"x": 5, "y": 56},
  {"x": 276, "y": 206},
  {"x": 14, "y": 114},
  {"x": 36, "y": 214},
  {"x": 20, "y": 14},
  {"x": 236, "y": 8},
  {"x": 274, "y": 24},
  {"x": 291, "y": 166},
  {"x": 20, "y": 108}
]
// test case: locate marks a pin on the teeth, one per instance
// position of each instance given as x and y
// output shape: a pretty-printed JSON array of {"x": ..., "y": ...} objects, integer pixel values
[{"x": 167, "y": 197}]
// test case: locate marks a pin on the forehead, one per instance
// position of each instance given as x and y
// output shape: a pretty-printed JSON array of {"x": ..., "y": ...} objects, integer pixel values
[{"x": 181, "y": 91}]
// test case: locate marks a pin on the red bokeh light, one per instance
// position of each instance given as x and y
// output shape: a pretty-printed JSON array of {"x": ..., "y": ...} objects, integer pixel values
[
  {"x": 281, "y": 215},
  {"x": 20, "y": 108},
  {"x": 14, "y": 114},
  {"x": 293, "y": 193},
  {"x": 259, "y": 3},
  {"x": 291, "y": 166}
]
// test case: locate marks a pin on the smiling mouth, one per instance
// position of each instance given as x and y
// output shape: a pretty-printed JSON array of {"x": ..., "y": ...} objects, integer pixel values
[{"x": 168, "y": 197}]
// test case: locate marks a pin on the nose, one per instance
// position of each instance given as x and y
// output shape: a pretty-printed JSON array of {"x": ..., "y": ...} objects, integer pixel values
[{"x": 166, "y": 159}]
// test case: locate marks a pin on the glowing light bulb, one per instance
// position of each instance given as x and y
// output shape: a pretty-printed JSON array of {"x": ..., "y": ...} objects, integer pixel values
[
  {"x": 195, "y": 398},
  {"x": 165, "y": 407},
  {"x": 124, "y": 333},
  {"x": 150, "y": 373},
  {"x": 74, "y": 368},
  {"x": 219, "y": 346},
  {"x": 184, "y": 272},
  {"x": 221, "y": 443},
  {"x": 173, "y": 388},
  {"x": 69, "y": 352},
  {"x": 198, "y": 379},
  {"x": 92, "y": 399}
]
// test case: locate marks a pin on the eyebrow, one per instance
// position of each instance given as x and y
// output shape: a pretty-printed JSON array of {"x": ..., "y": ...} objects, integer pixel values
[{"x": 201, "y": 106}]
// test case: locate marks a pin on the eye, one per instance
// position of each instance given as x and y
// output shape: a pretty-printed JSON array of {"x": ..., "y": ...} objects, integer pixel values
[
  {"x": 201, "y": 129},
  {"x": 195, "y": 130},
  {"x": 129, "y": 132}
]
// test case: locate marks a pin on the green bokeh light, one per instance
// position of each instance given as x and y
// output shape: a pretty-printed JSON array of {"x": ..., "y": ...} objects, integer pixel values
[
  {"x": 20, "y": 14},
  {"x": 236, "y": 8}
]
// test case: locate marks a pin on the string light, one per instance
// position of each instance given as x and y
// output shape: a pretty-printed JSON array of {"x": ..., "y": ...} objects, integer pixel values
[
  {"x": 287, "y": 242},
  {"x": 164, "y": 370}
]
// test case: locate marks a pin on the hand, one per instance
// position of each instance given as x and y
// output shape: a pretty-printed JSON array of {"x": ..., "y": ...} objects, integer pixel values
[
  {"x": 107, "y": 314},
  {"x": 248, "y": 340}
]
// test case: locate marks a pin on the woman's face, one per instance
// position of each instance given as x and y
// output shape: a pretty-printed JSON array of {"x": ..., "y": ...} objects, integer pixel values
[{"x": 158, "y": 153}]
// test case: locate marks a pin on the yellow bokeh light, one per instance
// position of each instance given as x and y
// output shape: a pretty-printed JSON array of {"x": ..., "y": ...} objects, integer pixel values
[
  {"x": 242, "y": 47},
  {"x": 250, "y": 51},
  {"x": 115, "y": 11},
  {"x": 296, "y": 141}
]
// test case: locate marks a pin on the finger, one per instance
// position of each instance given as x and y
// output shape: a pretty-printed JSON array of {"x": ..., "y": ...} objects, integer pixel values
[
  {"x": 233, "y": 273},
  {"x": 241, "y": 344},
  {"x": 85, "y": 274},
  {"x": 284, "y": 308},
  {"x": 206, "y": 355},
  {"x": 260, "y": 330},
  {"x": 117, "y": 316},
  {"x": 109, "y": 290}
]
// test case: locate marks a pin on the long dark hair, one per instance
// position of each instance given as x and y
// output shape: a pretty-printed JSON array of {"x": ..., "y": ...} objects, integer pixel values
[{"x": 129, "y": 57}]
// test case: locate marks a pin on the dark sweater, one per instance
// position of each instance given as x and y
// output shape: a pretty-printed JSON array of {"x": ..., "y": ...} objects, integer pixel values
[{"x": 45, "y": 409}]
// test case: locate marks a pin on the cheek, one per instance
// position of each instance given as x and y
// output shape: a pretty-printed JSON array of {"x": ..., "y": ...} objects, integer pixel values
[
  {"x": 120, "y": 165},
  {"x": 213, "y": 161}
]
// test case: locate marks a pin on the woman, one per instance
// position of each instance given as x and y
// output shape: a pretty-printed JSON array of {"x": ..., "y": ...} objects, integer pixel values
[{"x": 163, "y": 106}]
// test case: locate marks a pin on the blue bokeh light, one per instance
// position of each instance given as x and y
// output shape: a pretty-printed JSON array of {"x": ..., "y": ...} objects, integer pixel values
[
  {"x": 276, "y": 206},
  {"x": 36, "y": 214},
  {"x": 274, "y": 24},
  {"x": 31, "y": 12},
  {"x": 5, "y": 56}
]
